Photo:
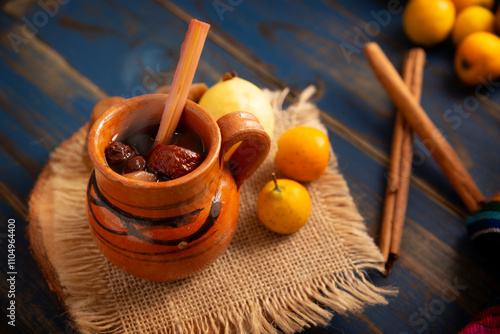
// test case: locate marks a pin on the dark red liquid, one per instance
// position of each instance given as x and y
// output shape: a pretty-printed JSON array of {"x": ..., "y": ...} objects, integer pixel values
[{"x": 142, "y": 138}]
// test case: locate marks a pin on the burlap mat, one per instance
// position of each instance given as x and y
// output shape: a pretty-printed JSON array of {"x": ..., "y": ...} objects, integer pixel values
[{"x": 262, "y": 282}]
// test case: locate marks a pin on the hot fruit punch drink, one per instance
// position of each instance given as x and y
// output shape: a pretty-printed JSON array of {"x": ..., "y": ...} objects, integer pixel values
[{"x": 130, "y": 154}]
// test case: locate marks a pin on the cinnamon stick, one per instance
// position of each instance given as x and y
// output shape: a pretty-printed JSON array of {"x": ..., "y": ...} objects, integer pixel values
[
  {"x": 415, "y": 85},
  {"x": 398, "y": 182},
  {"x": 442, "y": 151},
  {"x": 183, "y": 78}
]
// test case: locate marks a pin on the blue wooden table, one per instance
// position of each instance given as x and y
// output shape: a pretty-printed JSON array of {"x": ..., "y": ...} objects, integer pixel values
[{"x": 59, "y": 57}]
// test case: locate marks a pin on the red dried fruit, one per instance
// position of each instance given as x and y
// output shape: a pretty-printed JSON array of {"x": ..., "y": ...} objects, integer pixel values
[
  {"x": 117, "y": 152},
  {"x": 172, "y": 161},
  {"x": 134, "y": 164}
]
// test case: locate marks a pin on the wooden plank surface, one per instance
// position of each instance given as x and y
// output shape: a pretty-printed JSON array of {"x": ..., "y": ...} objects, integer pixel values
[{"x": 95, "y": 48}]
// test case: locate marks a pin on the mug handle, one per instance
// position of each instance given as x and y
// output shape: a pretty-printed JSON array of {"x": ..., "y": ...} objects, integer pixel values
[{"x": 255, "y": 144}]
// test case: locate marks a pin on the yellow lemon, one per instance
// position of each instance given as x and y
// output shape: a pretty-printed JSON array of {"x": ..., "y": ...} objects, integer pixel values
[
  {"x": 428, "y": 22},
  {"x": 237, "y": 94},
  {"x": 477, "y": 58},
  {"x": 461, "y": 4},
  {"x": 283, "y": 206},
  {"x": 303, "y": 153},
  {"x": 472, "y": 19}
]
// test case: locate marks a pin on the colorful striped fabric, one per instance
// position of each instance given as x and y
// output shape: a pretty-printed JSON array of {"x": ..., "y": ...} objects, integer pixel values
[
  {"x": 487, "y": 322},
  {"x": 484, "y": 229},
  {"x": 486, "y": 220}
]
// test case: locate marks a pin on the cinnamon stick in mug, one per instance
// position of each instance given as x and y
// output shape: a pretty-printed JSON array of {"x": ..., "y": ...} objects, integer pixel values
[
  {"x": 183, "y": 78},
  {"x": 442, "y": 151}
]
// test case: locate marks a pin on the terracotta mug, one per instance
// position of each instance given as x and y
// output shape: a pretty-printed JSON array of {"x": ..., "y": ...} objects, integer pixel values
[{"x": 169, "y": 230}]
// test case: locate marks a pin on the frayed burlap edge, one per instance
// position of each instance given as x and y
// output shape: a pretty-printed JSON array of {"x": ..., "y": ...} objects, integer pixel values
[
  {"x": 83, "y": 285},
  {"x": 78, "y": 274}
]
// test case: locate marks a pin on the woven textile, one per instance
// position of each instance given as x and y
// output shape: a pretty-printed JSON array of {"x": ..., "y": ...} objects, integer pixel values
[
  {"x": 486, "y": 322},
  {"x": 263, "y": 282},
  {"x": 484, "y": 230},
  {"x": 486, "y": 220}
]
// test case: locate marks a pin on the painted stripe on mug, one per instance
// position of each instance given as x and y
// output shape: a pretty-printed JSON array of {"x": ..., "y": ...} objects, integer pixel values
[
  {"x": 160, "y": 207},
  {"x": 178, "y": 250},
  {"x": 175, "y": 221},
  {"x": 164, "y": 261},
  {"x": 129, "y": 221}
]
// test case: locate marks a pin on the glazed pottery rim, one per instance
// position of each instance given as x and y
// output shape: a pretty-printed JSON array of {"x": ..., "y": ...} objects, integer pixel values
[{"x": 99, "y": 161}]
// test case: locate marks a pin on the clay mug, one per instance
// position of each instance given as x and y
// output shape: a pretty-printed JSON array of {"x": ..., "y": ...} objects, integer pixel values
[{"x": 169, "y": 230}]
